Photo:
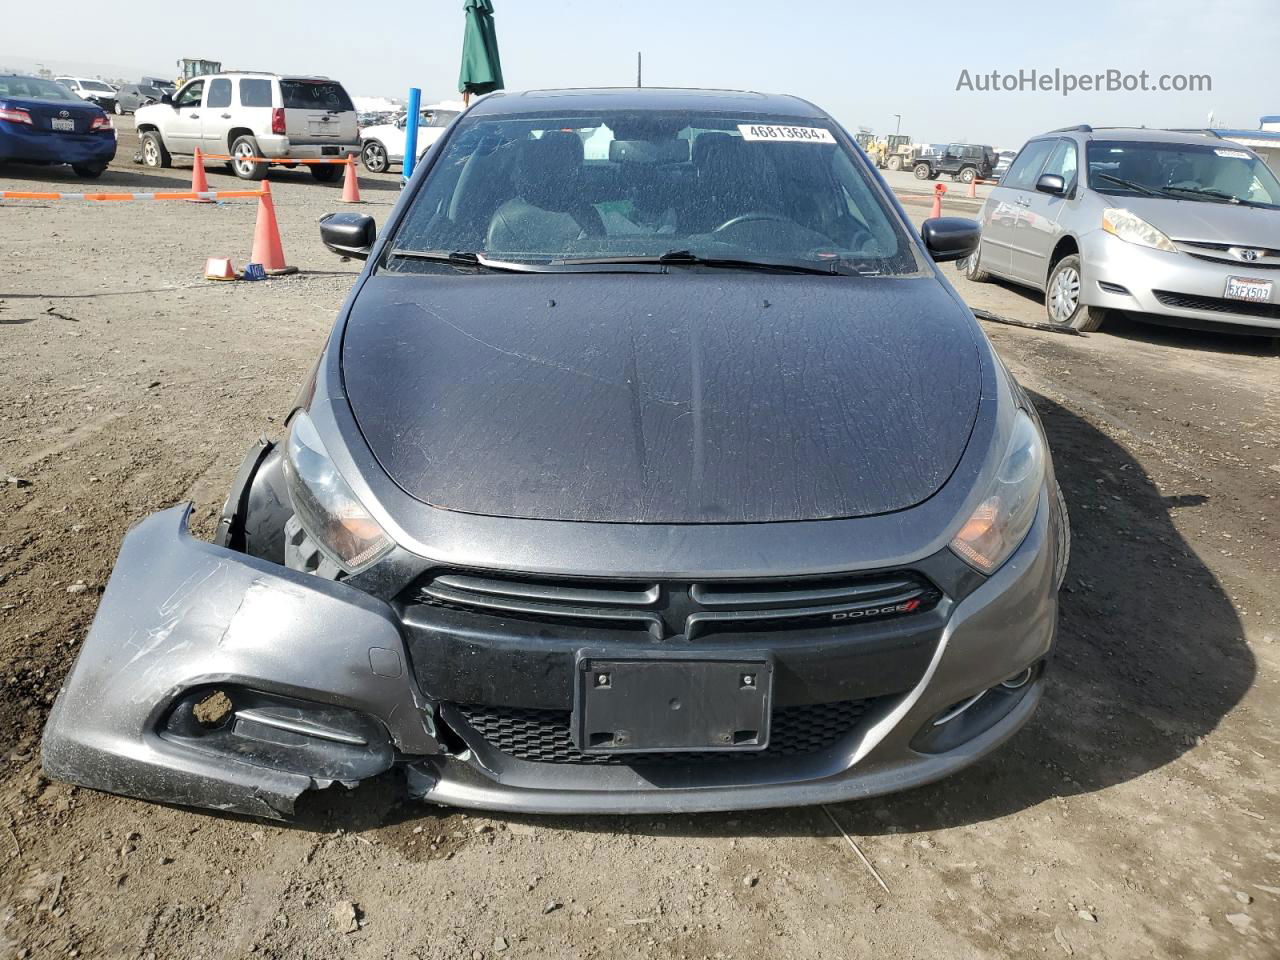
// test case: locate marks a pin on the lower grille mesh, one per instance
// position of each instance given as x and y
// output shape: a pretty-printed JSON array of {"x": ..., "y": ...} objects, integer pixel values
[
  {"x": 543, "y": 736},
  {"x": 1244, "y": 308}
]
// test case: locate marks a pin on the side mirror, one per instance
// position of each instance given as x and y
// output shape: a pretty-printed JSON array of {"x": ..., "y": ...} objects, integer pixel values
[
  {"x": 348, "y": 234},
  {"x": 950, "y": 238},
  {"x": 1051, "y": 183},
  {"x": 167, "y": 99}
]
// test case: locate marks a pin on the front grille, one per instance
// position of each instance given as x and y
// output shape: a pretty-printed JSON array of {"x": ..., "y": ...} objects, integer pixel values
[
  {"x": 543, "y": 736},
  {"x": 672, "y": 609},
  {"x": 1243, "y": 308},
  {"x": 1221, "y": 253}
]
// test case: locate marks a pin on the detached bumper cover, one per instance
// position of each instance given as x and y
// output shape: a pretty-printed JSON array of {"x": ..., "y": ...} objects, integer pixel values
[
  {"x": 324, "y": 692},
  {"x": 180, "y": 614}
]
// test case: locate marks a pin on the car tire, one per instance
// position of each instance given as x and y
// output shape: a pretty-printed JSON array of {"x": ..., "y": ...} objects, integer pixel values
[
  {"x": 895, "y": 163},
  {"x": 968, "y": 175},
  {"x": 153, "y": 151},
  {"x": 924, "y": 172},
  {"x": 245, "y": 169},
  {"x": 971, "y": 265},
  {"x": 325, "y": 172},
  {"x": 85, "y": 172},
  {"x": 119, "y": 110},
  {"x": 374, "y": 157},
  {"x": 1062, "y": 298},
  {"x": 1063, "y": 556}
]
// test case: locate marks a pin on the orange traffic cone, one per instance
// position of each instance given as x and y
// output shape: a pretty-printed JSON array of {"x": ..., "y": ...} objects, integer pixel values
[
  {"x": 350, "y": 185},
  {"x": 266, "y": 237},
  {"x": 973, "y": 188},
  {"x": 938, "y": 190},
  {"x": 199, "y": 184}
]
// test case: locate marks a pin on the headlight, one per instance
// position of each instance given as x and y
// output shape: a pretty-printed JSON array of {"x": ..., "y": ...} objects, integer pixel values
[
  {"x": 325, "y": 505},
  {"x": 1133, "y": 229},
  {"x": 1000, "y": 523}
]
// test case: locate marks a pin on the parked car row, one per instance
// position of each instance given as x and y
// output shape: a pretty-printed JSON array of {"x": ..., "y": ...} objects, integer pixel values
[{"x": 1176, "y": 227}]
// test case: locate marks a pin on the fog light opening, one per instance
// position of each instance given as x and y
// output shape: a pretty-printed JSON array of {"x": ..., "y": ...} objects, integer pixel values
[
  {"x": 1018, "y": 680},
  {"x": 213, "y": 711}
]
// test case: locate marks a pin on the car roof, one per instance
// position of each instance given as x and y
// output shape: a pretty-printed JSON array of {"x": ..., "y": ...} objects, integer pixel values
[
  {"x": 1142, "y": 134},
  {"x": 645, "y": 98},
  {"x": 266, "y": 75}
]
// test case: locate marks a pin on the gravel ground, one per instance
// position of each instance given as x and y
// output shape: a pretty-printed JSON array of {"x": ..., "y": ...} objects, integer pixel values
[{"x": 1136, "y": 816}]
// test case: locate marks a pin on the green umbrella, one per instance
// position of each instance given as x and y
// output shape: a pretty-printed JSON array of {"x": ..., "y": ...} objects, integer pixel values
[{"x": 481, "y": 68}]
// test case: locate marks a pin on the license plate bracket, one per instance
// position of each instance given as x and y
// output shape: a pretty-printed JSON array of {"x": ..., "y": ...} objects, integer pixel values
[
  {"x": 62, "y": 125},
  {"x": 1248, "y": 289},
  {"x": 666, "y": 703}
]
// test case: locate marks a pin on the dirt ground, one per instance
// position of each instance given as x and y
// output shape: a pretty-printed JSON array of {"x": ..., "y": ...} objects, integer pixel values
[{"x": 1136, "y": 816}]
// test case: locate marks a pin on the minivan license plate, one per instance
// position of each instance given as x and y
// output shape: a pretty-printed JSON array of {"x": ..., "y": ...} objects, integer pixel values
[
  {"x": 1244, "y": 288},
  {"x": 67, "y": 126}
]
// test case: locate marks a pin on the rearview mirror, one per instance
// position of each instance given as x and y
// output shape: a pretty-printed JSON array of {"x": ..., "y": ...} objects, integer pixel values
[
  {"x": 1051, "y": 183},
  {"x": 348, "y": 234},
  {"x": 950, "y": 238}
]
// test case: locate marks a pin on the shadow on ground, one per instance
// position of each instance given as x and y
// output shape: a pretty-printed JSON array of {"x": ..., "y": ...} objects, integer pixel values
[{"x": 1149, "y": 658}]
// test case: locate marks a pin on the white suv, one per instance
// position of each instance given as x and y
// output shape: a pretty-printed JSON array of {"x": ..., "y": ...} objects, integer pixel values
[{"x": 248, "y": 115}]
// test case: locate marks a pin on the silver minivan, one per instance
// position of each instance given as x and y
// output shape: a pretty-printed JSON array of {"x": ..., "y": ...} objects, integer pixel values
[{"x": 1179, "y": 227}]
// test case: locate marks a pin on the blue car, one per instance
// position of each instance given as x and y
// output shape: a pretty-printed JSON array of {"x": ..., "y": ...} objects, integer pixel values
[{"x": 44, "y": 122}]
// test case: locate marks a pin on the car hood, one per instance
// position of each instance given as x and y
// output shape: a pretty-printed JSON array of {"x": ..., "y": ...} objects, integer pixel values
[
  {"x": 663, "y": 398},
  {"x": 1198, "y": 220},
  {"x": 380, "y": 132}
]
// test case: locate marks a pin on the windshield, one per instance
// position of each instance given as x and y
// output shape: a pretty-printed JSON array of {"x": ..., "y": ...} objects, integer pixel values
[
  {"x": 34, "y": 88},
  {"x": 96, "y": 86},
  {"x": 647, "y": 183},
  {"x": 1215, "y": 171},
  {"x": 314, "y": 95}
]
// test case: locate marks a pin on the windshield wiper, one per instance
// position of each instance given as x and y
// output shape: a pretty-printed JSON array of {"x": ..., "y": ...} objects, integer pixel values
[
  {"x": 1217, "y": 196},
  {"x": 1129, "y": 184},
  {"x": 464, "y": 258},
  {"x": 689, "y": 258}
]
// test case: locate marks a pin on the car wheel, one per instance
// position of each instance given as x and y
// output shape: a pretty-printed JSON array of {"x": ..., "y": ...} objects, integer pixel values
[
  {"x": 89, "y": 172},
  {"x": 374, "y": 157},
  {"x": 326, "y": 172},
  {"x": 1062, "y": 298},
  {"x": 153, "y": 152},
  {"x": 1063, "y": 557},
  {"x": 895, "y": 163},
  {"x": 923, "y": 172},
  {"x": 118, "y": 109},
  {"x": 973, "y": 271},
  {"x": 968, "y": 175},
  {"x": 242, "y": 164}
]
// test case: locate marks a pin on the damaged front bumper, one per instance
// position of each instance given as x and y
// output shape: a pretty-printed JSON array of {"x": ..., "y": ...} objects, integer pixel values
[
  {"x": 214, "y": 679},
  {"x": 317, "y": 672}
]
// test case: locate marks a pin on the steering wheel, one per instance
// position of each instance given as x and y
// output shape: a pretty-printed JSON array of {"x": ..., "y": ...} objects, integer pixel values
[{"x": 753, "y": 216}]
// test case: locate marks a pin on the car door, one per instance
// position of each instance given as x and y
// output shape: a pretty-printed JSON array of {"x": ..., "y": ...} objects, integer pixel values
[
  {"x": 1000, "y": 213},
  {"x": 183, "y": 131},
  {"x": 1038, "y": 228},
  {"x": 215, "y": 119}
]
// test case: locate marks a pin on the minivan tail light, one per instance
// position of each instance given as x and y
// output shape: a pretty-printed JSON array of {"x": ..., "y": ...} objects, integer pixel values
[
  {"x": 14, "y": 114},
  {"x": 100, "y": 123},
  {"x": 277, "y": 120}
]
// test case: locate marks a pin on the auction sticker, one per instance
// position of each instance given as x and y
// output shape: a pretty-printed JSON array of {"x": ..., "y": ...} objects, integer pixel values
[{"x": 778, "y": 134}]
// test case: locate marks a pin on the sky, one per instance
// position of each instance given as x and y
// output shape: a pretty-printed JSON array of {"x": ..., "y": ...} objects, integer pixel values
[{"x": 862, "y": 62}]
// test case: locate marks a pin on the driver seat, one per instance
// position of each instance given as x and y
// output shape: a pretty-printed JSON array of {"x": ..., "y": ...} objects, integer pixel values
[{"x": 548, "y": 211}]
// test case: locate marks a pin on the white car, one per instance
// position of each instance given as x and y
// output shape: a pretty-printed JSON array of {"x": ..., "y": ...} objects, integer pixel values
[
  {"x": 252, "y": 115},
  {"x": 95, "y": 91},
  {"x": 383, "y": 145}
]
